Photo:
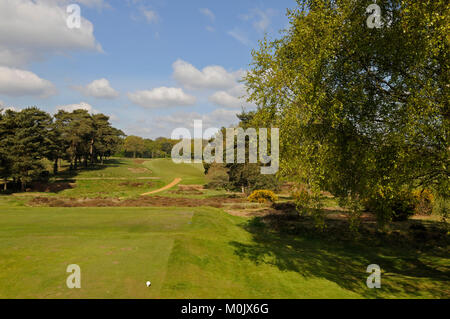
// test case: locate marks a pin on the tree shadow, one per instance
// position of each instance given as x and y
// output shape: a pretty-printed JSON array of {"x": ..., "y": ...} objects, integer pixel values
[
  {"x": 313, "y": 254},
  {"x": 63, "y": 180}
]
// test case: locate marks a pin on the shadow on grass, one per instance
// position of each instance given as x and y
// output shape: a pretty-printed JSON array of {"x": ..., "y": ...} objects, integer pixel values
[
  {"x": 344, "y": 262},
  {"x": 63, "y": 180}
]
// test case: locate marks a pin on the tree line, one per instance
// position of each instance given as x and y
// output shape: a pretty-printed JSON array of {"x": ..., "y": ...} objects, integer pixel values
[
  {"x": 136, "y": 146},
  {"x": 30, "y": 136}
]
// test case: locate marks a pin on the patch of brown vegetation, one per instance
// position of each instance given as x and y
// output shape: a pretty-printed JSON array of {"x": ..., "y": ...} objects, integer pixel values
[
  {"x": 139, "y": 161},
  {"x": 189, "y": 190},
  {"x": 50, "y": 187},
  {"x": 237, "y": 210},
  {"x": 190, "y": 187},
  {"x": 143, "y": 201},
  {"x": 136, "y": 184}
]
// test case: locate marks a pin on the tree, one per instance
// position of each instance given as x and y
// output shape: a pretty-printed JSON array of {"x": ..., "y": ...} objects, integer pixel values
[
  {"x": 134, "y": 145},
  {"x": 361, "y": 111},
  {"x": 105, "y": 139},
  {"x": 28, "y": 143}
]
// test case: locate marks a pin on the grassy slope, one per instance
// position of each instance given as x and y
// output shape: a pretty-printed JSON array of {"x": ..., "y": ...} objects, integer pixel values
[
  {"x": 168, "y": 170},
  {"x": 187, "y": 252},
  {"x": 110, "y": 179},
  {"x": 191, "y": 253}
]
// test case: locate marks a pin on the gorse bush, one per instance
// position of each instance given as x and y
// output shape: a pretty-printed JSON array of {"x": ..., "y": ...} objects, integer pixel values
[{"x": 262, "y": 196}]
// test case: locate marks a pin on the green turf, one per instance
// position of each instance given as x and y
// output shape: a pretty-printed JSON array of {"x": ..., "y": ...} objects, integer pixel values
[
  {"x": 122, "y": 177},
  {"x": 187, "y": 252},
  {"x": 193, "y": 253},
  {"x": 168, "y": 170}
]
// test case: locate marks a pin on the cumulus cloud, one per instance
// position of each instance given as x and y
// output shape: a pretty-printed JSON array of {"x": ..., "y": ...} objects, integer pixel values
[
  {"x": 16, "y": 82},
  {"x": 30, "y": 30},
  {"x": 3, "y": 108},
  {"x": 79, "y": 106},
  {"x": 208, "y": 13},
  {"x": 162, "y": 97},
  {"x": 93, "y": 3},
  {"x": 210, "y": 77},
  {"x": 100, "y": 89},
  {"x": 232, "y": 98},
  {"x": 215, "y": 119}
]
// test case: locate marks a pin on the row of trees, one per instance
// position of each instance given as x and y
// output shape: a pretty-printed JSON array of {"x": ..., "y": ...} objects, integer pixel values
[
  {"x": 135, "y": 146},
  {"x": 363, "y": 113},
  {"x": 32, "y": 135}
]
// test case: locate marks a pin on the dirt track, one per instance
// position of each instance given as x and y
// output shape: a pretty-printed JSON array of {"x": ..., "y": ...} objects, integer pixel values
[{"x": 168, "y": 186}]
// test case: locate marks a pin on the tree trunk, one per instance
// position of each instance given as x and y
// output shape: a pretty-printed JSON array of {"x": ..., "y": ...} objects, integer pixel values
[
  {"x": 134, "y": 154},
  {"x": 55, "y": 167},
  {"x": 5, "y": 186},
  {"x": 91, "y": 151}
]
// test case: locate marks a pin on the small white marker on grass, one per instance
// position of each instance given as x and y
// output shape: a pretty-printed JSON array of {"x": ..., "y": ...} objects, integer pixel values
[{"x": 148, "y": 283}]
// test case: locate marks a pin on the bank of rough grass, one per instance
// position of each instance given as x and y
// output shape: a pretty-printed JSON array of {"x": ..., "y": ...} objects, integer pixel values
[{"x": 194, "y": 253}]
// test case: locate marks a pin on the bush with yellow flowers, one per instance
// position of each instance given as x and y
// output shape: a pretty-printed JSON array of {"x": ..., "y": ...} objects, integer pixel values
[{"x": 262, "y": 196}]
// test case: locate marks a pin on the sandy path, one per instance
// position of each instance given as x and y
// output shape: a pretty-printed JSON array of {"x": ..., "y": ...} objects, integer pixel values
[{"x": 168, "y": 186}]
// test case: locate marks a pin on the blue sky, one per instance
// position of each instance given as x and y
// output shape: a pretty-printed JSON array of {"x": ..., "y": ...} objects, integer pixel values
[{"x": 151, "y": 65}]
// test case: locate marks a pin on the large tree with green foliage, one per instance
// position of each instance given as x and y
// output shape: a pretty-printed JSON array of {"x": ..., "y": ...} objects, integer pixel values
[{"x": 363, "y": 113}]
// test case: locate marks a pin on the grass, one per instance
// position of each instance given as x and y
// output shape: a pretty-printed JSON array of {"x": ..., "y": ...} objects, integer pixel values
[
  {"x": 122, "y": 178},
  {"x": 194, "y": 253},
  {"x": 168, "y": 170},
  {"x": 198, "y": 252}
]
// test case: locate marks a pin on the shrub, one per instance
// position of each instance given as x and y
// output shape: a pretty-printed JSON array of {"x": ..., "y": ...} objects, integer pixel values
[
  {"x": 302, "y": 200},
  {"x": 262, "y": 196},
  {"x": 389, "y": 205},
  {"x": 424, "y": 201},
  {"x": 217, "y": 176},
  {"x": 403, "y": 206}
]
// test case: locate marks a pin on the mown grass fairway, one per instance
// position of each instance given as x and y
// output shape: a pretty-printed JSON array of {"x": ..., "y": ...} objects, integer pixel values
[
  {"x": 189, "y": 252},
  {"x": 193, "y": 253}
]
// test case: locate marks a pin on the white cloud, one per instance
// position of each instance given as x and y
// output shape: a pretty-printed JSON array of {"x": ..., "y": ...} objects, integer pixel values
[
  {"x": 162, "y": 97},
  {"x": 79, "y": 106},
  {"x": 208, "y": 13},
  {"x": 4, "y": 108},
  {"x": 30, "y": 30},
  {"x": 16, "y": 82},
  {"x": 164, "y": 125},
  {"x": 261, "y": 18},
  {"x": 240, "y": 36},
  {"x": 99, "y": 89},
  {"x": 150, "y": 15},
  {"x": 232, "y": 98},
  {"x": 210, "y": 77},
  {"x": 210, "y": 29},
  {"x": 93, "y": 3}
]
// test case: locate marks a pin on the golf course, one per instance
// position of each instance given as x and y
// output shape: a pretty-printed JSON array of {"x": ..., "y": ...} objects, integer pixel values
[{"x": 189, "y": 242}]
